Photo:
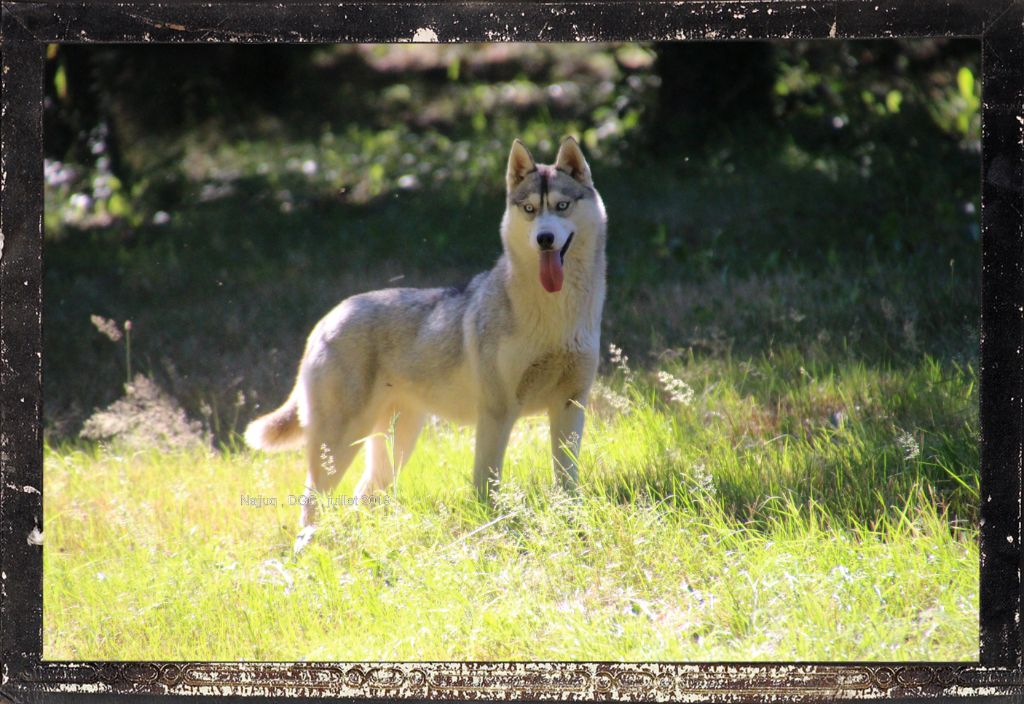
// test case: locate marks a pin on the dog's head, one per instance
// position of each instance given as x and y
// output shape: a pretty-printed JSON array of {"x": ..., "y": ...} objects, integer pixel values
[{"x": 554, "y": 216}]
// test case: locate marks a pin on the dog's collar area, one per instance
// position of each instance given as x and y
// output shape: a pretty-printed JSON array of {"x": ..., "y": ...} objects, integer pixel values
[{"x": 565, "y": 247}]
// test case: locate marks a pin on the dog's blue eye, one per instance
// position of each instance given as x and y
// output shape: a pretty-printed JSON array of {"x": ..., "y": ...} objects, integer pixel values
[
  {"x": 528, "y": 208},
  {"x": 563, "y": 205}
]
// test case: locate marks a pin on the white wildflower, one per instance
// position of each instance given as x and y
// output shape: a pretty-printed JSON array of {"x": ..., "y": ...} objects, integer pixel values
[
  {"x": 702, "y": 478},
  {"x": 677, "y": 389},
  {"x": 605, "y": 397},
  {"x": 107, "y": 327},
  {"x": 620, "y": 360},
  {"x": 327, "y": 459},
  {"x": 80, "y": 201},
  {"x": 908, "y": 444}
]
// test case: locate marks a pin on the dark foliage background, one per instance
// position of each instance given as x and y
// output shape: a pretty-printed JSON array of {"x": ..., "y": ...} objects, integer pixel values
[{"x": 223, "y": 197}]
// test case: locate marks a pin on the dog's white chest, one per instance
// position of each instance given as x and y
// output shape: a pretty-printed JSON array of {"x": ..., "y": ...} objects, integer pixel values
[{"x": 538, "y": 376}]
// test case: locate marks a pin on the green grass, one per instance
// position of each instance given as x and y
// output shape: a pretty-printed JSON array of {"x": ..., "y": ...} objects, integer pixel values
[
  {"x": 786, "y": 467},
  {"x": 736, "y": 523}
]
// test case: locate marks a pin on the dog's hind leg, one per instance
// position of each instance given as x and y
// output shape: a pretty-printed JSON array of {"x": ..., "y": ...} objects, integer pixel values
[
  {"x": 387, "y": 453},
  {"x": 332, "y": 441}
]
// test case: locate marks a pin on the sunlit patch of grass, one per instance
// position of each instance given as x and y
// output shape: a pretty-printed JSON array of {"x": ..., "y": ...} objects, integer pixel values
[{"x": 741, "y": 524}]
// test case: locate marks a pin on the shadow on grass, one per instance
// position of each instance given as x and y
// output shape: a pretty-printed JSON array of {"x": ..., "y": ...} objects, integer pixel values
[
  {"x": 774, "y": 256},
  {"x": 743, "y": 253}
]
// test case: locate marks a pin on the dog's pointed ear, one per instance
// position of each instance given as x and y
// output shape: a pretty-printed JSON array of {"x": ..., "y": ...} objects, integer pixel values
[
  {"x": 570, "y": 160},
  {"x": 520, "y": 163}
]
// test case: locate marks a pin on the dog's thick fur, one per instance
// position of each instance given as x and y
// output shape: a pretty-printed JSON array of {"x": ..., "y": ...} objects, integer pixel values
[{"x": 507, "y": 345}]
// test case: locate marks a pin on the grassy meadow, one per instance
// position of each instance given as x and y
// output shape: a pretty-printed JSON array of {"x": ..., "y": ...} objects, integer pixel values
[{"x": 781, "y": 454}]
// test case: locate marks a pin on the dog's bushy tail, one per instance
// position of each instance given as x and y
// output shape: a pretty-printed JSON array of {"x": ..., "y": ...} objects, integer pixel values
[{"x": 278, "y": 430}]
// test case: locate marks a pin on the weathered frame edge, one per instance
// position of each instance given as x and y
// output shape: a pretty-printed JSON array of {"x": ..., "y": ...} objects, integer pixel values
[{"x": 22, "y": 43}]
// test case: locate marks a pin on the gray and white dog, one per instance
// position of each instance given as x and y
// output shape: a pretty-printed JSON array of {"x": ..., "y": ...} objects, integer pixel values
[{"x": 521, "y": 338}]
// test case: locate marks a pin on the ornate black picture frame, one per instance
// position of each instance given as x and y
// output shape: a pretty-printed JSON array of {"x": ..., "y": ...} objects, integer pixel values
[{"x": 27, "y": 27}]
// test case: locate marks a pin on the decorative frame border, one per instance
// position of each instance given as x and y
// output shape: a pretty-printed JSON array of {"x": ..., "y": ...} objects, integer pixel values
[{"x": 26, "y": 28}]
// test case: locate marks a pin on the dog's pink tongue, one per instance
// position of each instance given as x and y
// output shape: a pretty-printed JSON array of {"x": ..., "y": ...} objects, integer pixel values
[{"x": 551, "y": 270}]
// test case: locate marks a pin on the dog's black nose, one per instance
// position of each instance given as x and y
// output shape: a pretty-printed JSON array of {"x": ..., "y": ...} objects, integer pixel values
[{"x": 546, "y": 240}]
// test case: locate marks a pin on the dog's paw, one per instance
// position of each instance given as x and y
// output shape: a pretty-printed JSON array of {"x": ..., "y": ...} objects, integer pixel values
[{"x": 304, "y": 538}]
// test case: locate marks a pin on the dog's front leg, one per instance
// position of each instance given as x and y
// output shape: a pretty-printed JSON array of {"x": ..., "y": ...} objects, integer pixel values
[
  {"x": 492, "y": 431},
  {"x": 566, "y": 434}
]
